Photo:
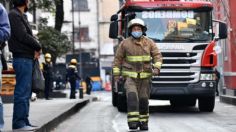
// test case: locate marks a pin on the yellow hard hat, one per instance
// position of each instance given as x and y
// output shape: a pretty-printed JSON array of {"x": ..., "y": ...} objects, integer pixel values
[
  {"x": 48, "y": 55},
  {"x": 73, "y": 61}
]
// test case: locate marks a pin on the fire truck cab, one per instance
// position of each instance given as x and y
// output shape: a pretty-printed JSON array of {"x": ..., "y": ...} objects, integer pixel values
[{"x": 183, "y": 31}]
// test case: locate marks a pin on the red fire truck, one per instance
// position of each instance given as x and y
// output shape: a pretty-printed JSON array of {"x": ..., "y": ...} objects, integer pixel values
[
  {"x": 225, "y": 10},
  {"x": 183, "y": 31}
]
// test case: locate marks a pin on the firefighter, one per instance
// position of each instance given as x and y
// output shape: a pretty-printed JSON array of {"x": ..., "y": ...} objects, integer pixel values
[
  {"x": 47, "y": 72},
  {"x": 72, "y": 76},
  {"x": 137, "y": 59},
  {"x": 217, "y": 81},
  {"x": 89, "y": 82}
]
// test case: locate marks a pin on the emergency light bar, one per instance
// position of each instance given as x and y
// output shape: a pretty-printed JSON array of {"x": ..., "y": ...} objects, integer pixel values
[
  {"x": 168, "y": 0},
  {"x": 197, "y": 0},
  {"x": 170, "y": 4}
]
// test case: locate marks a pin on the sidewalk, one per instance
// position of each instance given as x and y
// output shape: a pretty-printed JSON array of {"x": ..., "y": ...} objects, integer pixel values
[{"x": 47, "y": 114}]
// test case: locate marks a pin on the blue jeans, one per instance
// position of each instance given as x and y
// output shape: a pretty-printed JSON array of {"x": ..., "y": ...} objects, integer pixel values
[
  {"x": 1, "y": 104},
  {"x": 23, "y": 69}
]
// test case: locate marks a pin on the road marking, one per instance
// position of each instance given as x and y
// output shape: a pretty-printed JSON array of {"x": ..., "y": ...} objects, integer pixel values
[{"x": 114, "y": 124}]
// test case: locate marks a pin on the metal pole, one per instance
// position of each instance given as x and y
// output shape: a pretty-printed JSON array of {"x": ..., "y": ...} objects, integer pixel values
[
  {"x": 80, "y": 52},
  {"x": 98, "y": 30},
  {"x": 73, "y": 28},
  {"x": 98, "y": 35}
]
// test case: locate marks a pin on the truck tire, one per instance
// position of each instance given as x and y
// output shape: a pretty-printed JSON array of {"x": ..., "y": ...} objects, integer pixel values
[
  {"x": 191, "y": 102},
  {"x": 206, "y": 104},
  {"x": 121, "y": 103},
  {"x": 174, "y": 103},
  {"x": 114, "y": 99}
]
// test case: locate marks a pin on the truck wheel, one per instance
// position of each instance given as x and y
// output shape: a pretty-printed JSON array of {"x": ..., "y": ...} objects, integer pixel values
[
  {"x": 121, "y": 103},
  {"x": 206, "y": 104},
  {"x": 114, "y": 99},
  {"x": 114, "y": 94},
  {"x": 191, "y": 102},
  {"x": 175, "y": 103}
]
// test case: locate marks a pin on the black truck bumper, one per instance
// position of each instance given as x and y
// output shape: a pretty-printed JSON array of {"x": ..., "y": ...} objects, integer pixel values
[{"x": 168, "y": 91}]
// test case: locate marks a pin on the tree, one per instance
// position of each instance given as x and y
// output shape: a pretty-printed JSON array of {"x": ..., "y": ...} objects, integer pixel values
[
  {"x": 54, "y": 42},
  {"x": 47, "y": 5},
  {"x": 54, "y": 6},
  {"x": 59, "y": 14},
  {"x": 3, "y": 2}
]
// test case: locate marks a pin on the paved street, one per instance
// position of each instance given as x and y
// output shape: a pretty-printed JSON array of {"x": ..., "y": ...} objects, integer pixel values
[{"x": 101, "y": 116}]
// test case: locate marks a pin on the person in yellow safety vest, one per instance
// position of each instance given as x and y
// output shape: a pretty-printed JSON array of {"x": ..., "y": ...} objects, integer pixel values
[
  {"x": 72, "y": 76},
  {"x": 139, "y": 58}
]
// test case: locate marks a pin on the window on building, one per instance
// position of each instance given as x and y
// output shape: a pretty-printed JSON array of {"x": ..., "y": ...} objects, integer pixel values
[
  {"x": 81, "y": 5},
  {"x": 82, "y": 34}
]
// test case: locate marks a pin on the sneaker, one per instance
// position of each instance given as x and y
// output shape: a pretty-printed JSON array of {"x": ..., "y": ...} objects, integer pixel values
[
  {"x": 143, "y": 126},
  {"x": 25, "y": 128},
  {"x": 133, "y": 125}
]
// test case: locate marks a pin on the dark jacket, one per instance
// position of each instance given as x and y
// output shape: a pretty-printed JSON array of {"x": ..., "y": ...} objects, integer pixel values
[
  {"x": 88, "y": 80},
  {"x": 48, "y": 70},
  {"x": 72, "y": 74},
  {"x": 22, "y": 42}
]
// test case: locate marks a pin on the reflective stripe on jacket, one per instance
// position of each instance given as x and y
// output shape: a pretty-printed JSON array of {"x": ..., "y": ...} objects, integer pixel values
[{"x": 136, "y": 74}]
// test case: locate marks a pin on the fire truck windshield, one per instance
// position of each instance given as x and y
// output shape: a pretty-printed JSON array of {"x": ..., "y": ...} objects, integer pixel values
[{"x": 177, "y": 26}]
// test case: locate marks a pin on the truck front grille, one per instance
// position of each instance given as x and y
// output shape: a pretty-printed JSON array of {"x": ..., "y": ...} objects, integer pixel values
[{"x": 179, "y": 68}]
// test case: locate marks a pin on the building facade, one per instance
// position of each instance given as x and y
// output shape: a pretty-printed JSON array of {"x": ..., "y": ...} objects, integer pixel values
[
  {"x": 85, "y": 24},
  {"x": 106, "y": 9}
]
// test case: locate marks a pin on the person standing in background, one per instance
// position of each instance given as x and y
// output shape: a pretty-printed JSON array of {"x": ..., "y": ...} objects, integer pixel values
[
  {"x": 25, "y": 48},
  {"x": 88, "y": 81}
]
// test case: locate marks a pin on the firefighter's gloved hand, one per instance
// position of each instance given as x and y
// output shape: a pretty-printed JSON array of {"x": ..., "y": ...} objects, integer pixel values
[{"x": 156, "y": 71}]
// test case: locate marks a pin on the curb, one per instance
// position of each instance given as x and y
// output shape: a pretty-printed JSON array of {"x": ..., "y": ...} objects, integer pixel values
[
  {"x": 228, "y": 99},
  {"x": 49, "y": 126}
]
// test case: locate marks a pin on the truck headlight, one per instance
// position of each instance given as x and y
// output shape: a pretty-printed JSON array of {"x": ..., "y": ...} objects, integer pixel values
[{"x": 207, "y": 77}]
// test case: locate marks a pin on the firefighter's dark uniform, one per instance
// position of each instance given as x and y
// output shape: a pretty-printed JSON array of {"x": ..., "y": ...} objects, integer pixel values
[
  {"x": 134, "y": 57},
  {"x": 48, "y": 75},
  {"x": 88, "y": 81},
  {"x": 72, "y": 76}
]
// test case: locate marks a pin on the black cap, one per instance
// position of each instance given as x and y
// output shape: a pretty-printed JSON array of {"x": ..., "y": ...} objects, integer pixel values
[{"x": 18, "y": 3}]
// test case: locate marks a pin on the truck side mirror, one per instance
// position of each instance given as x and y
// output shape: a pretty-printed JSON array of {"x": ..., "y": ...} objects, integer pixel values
[
  {"x": 114, "y": 17},
  {"x": 223, "y": 31},
  {"x": 113, "y": 31}
]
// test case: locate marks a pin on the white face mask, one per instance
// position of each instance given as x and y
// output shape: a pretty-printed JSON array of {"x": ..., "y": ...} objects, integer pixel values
[
  {"x": 137, "y": 34},
  {"x": 48, "y": 60}
]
